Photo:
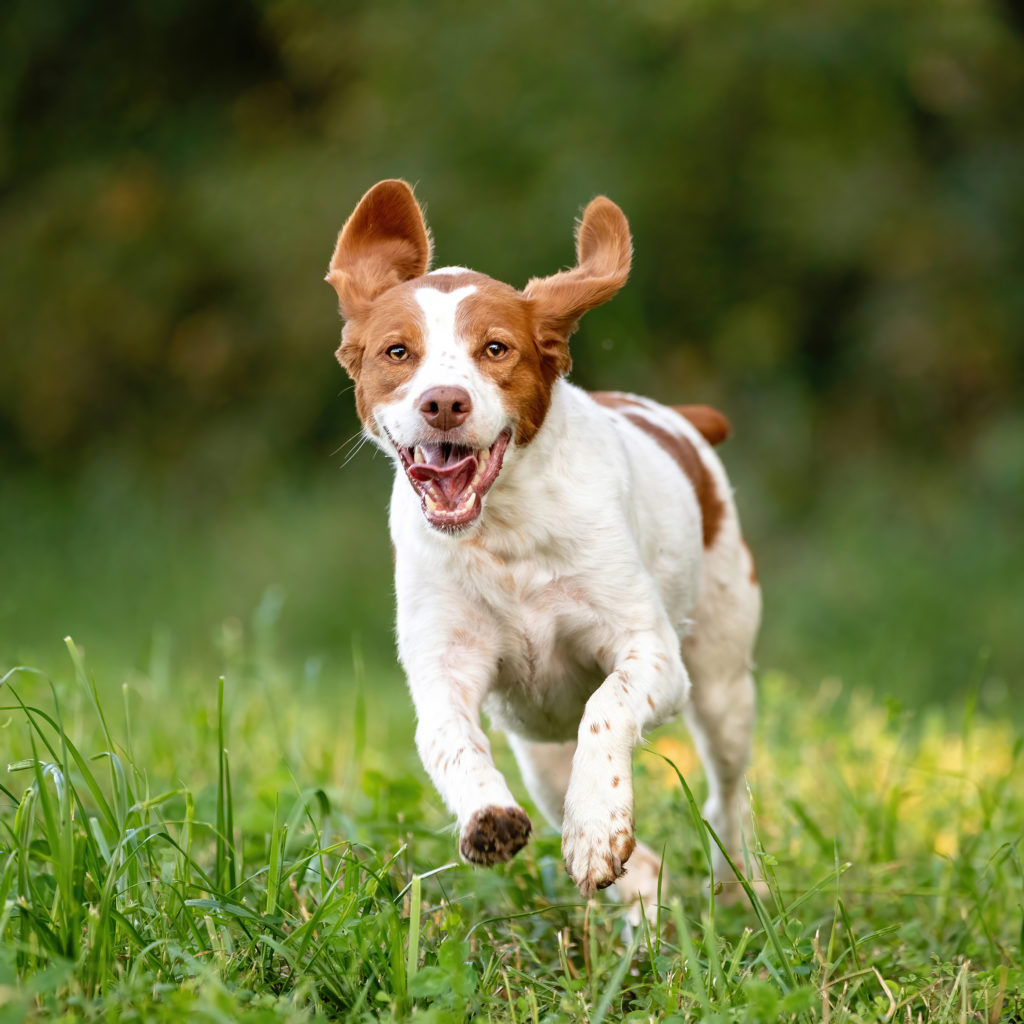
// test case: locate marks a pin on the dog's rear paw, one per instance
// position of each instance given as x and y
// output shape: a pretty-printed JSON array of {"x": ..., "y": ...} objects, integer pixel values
[{"x": 494, "y": 834}]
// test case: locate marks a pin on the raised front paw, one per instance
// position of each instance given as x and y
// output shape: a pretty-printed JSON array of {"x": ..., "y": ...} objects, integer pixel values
[
  {"x": 596, "y": 851},
  {"x": 494, "y": 835}
]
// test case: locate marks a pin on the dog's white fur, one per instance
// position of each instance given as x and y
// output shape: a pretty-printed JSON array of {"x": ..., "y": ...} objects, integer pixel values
[{"x": 580, "y": 609}]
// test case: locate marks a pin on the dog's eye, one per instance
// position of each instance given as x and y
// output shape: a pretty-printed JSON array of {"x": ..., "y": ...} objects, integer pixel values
[
  {"x": 495, "y": 349},
  {"x": 397, "y": 353}
]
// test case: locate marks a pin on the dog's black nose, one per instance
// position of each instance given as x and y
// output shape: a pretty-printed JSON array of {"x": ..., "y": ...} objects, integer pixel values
[{"x": 445, "y": 408}]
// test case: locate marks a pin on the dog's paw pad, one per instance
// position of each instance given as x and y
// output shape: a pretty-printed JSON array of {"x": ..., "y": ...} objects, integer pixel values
[{"x": 494, "y": 835}]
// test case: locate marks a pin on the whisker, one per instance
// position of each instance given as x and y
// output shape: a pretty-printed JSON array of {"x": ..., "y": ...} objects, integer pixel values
[
  {"x": 358, "y": 448},
  {"x": 344, "y": 444}
]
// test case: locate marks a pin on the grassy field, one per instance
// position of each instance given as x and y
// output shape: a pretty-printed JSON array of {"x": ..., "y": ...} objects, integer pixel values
[{"x": 265, "y": 847}]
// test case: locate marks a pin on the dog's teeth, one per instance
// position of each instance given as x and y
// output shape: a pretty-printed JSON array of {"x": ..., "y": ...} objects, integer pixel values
[
  {"x": 471, "y": 500},
  {"x": 484, "y": 456},
  {"x": 431, "y": 504},
  {"x": 418, "y": 455}
]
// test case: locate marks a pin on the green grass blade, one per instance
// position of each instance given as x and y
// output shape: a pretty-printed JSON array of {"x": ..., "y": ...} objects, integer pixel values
[
  {"x": 415, "y": 907},
  {"x": 614, "y": 985},
  {"x": 691, "y": 964}
]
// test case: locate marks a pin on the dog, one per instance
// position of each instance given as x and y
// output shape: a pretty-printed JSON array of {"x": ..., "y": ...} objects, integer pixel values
[{"x": 570, "y": 564}]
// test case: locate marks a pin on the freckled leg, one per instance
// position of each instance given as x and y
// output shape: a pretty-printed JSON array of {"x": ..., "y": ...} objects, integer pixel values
[
  {"x": 457, "y": 755},
  {"x": 648, "y": 686},
  {"x": 448, "y": 654},
  {"x": 546, "y": 768}
]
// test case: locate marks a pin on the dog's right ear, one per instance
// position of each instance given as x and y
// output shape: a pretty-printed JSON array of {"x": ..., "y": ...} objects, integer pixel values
[
  {"x": 603, "y": 254},
  {"x": 383, "y": 243}
]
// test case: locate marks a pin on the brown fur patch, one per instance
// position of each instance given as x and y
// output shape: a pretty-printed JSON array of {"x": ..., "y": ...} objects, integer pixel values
[
  {"x": 686, "y": 457},
  {"x": 395, "y": 318},
  {"x": 604, "y": 252},
  {"x": 712, "y": 424},
  {"x": 384, "y": 242},
  {"x": 682, "y": 451},
  {"x": 615, "y": 399},
  {"x": 623, "y": 844},
  {"x": 526, "y": 372}
]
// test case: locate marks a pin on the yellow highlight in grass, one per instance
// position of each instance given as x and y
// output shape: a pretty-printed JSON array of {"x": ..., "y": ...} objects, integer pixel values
[{"x": 680, "y": 752}]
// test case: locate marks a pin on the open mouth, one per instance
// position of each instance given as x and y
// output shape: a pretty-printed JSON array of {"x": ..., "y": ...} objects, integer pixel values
[{"x": 451, "y": 479}]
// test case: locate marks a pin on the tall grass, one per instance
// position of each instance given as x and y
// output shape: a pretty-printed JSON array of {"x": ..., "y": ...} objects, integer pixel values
[{"x": 242, "y": 851}]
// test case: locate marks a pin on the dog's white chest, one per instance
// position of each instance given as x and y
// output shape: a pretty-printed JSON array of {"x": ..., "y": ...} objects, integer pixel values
[{"x": 549, "y": 629}]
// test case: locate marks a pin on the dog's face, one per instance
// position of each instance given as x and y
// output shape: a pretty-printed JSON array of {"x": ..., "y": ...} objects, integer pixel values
[{"x": 453, "y": 370}]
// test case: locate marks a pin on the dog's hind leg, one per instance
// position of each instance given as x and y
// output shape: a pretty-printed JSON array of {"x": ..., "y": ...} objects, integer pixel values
[
  {"x": 721, "y": 720},
  {"x": 545, "y": 768},
  {"x": 720, "y": 711}
]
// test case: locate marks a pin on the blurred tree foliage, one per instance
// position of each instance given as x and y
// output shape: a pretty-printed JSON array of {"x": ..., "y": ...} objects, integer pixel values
[{"x": 827, "y": 200}]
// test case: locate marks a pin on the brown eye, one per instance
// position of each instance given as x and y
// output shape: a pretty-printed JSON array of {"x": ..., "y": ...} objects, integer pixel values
[
  {"x": 397, "y": 353},
  {"x": 495, "y": 349}
]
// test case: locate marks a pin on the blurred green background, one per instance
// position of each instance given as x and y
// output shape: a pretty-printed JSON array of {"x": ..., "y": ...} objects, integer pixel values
[{"x": 827, "y": 202}]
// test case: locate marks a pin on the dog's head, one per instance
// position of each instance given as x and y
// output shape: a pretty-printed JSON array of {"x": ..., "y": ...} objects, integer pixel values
[{"x": 453, "y": 370}]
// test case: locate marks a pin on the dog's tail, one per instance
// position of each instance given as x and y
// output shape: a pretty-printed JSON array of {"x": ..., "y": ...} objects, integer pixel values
[{"x": 710, "y": 422}]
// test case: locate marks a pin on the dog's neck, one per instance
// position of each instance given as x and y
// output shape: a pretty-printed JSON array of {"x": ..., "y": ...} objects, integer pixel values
[{"x": 535, "y": 461}]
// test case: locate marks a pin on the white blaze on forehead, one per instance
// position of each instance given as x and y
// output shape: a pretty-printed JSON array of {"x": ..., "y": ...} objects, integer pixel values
[{"x": 439, "y": 316}]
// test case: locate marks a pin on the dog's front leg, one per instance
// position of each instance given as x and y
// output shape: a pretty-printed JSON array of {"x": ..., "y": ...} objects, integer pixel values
[
  {"x": 648, "y": 685},
  {"x": 448, "y": 691}
]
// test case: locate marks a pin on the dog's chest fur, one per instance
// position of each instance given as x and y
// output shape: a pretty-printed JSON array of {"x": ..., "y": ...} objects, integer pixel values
[
  {"x": 549, "y": 629},
  {"x": 548, "y": 605}
]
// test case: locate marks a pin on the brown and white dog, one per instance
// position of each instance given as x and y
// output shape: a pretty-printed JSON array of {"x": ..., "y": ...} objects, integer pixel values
[{"x": 569, "y": 563}]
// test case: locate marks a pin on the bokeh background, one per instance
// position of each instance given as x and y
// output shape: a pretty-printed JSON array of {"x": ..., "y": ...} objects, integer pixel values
[{"x": 827, "y": 202}]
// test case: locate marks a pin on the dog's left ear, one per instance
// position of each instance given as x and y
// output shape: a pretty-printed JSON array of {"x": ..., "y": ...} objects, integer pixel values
[
  {"x": 383, "y": 243},
  {"x": 603, "y": 254}
]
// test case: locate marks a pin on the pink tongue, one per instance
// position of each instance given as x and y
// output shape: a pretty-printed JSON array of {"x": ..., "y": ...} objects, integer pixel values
[{"x": 451, "y": 481}]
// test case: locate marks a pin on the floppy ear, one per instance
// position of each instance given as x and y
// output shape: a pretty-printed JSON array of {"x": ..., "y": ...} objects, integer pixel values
[
  {"x": 603, "y": 255},
  {"x": 383, "y": 243}
]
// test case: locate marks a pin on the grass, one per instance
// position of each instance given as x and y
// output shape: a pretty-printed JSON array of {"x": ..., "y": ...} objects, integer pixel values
[{"x": 258, "y": 848}]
